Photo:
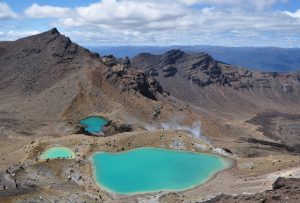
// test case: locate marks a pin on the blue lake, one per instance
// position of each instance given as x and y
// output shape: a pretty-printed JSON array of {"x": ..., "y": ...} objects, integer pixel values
[
  {"x": 146, "y": 169},
  {"x": 93, "y": 124},
  {"x": 58, "y": 152}
]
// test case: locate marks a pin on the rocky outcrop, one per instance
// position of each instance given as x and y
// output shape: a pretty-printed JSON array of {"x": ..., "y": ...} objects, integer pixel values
[
  {"x": 114, "y": 127},
  {"x": 132, "y": 80},
  {"x": 126, "y": 62},
  {"x": 170, "y": 57},
  {"x": 110, "y": 60},
  {"x": 152, "y": 72},
  {"x": 169, "y": 71},
  {"x": 279, "y": 183},
  {"x": 284, "y": 190}
]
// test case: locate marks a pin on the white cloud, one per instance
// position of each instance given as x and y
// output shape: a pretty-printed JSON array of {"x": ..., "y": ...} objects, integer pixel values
[
  {"x": 257, "y": 4},
  {"x": 146, "y": 17},
  {"x": 13, "y": 35},
  {"x": 124, "y": 13},
  {"x": 174, "y": 22},
  {"x": 38, "y": 11},
  {"x": 295, "y": 14},
  {"x": 6, "y": 12}
]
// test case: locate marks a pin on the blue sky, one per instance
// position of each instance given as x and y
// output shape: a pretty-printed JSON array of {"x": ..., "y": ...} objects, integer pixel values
[{"x": 157, "y": 22}]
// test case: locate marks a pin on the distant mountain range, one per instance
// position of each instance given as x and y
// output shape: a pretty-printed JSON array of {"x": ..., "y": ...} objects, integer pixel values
[{"x": 267, "y": 59}]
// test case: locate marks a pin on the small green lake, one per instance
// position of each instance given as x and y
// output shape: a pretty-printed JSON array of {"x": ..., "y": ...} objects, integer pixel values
[
  {"x": 93, "y": 124},
  {"x": 58, "y": 152},
  {"x": 146, "y": 169}
]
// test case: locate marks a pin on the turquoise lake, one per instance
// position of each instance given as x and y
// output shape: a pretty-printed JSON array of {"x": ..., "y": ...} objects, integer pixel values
[
  {"x": 58, "y": 152},
  {"x": 146, "y": 169},
  {"x": 93, "y": 124}
]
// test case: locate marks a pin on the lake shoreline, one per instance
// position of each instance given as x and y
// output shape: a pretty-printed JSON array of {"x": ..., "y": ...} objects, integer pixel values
[{"x": 227, "y": 163}]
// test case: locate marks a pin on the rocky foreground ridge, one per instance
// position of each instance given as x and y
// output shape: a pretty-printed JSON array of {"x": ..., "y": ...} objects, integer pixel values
[{"x": 284, "y": 190}]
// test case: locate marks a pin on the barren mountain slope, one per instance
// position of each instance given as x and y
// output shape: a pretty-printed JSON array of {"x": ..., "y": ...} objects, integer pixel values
[
  {"x": 204, "y": 82},
  {"x": 46, "y": 80}
]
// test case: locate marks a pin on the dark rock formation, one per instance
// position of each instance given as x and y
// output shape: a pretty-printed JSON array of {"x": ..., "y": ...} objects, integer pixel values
[
  {"x": 126, "y": 62},
  {"x": 227, "y": 150},
  {"x": 170, "y": 57},
  {"x": 169, "y": 71},
  {"x": 114, "y": 127},
  {"x": 279, "y": 183},
  {"x": 79, "y": 129},
  {"x": 272, "y": 144},
  {"x": 152, "y": 72}
]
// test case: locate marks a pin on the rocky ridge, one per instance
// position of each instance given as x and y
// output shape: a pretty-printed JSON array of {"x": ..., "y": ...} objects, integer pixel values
[
  {"x": 202, "y": 70},
  {"x": 34, "y": 63}
]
